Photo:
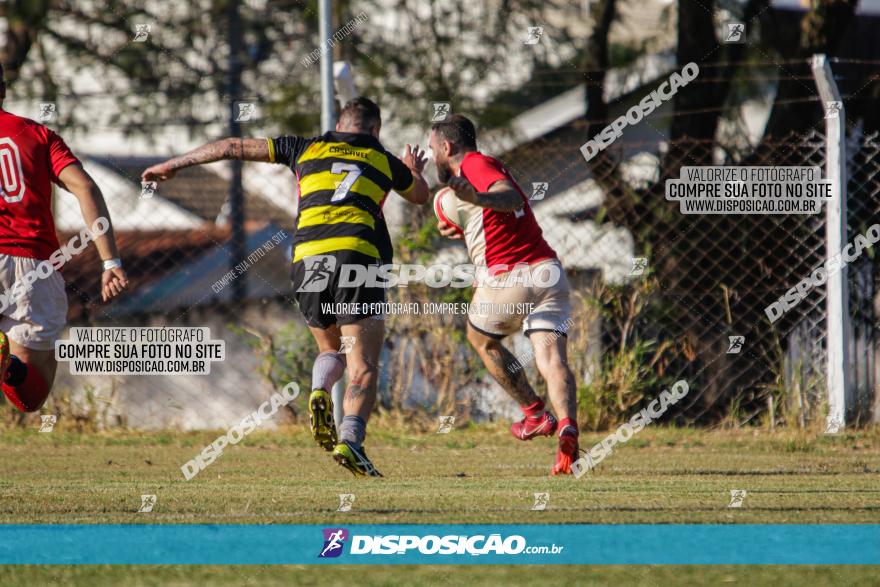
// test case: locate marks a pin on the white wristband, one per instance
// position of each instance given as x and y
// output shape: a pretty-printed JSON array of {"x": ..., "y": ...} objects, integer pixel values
[{"x": 112, "y": 264}]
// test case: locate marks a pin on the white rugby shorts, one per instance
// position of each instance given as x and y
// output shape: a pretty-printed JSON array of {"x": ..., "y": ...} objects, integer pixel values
[{"x": 36, "y": 318}]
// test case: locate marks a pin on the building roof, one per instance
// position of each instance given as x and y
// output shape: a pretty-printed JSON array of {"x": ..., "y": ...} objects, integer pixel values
[
  {"x": 154, "y": 260},
  {"x": 571, "y": 106},
  {"x": 201, "y": 190},
  {"x": 545, "y": 147}
]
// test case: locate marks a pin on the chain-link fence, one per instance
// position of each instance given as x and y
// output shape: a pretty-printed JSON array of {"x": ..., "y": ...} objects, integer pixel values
[
  {"x": 711, "y": 277},
  {"x": 694, "y": 310}
]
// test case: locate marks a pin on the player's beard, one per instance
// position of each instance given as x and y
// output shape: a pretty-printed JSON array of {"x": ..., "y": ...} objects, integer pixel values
[{"x": 444, "y": 171}]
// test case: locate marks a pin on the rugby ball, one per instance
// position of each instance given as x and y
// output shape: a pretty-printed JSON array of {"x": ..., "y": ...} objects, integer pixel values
[{"x": 446, "y": 208}]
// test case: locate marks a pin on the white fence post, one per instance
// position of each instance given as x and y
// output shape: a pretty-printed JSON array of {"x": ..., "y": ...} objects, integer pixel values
[
  {"x": 325, "y": 30},
  {"x": 837, "y": 292}
]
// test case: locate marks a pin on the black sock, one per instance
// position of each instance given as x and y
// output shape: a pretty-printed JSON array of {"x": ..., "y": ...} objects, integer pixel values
[{"x": 16, "y": 372}]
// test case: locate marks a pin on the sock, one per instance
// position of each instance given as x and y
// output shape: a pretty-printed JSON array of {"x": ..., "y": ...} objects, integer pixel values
[
  {"x": 568, "y": 427},
  {"x": 327, "y": 370},
  {"x": 353, "y": 430},
  {"x": 16, "y": 372},
  {"x": 30, "y": 393},
  {"x": 533, "y": 410}
]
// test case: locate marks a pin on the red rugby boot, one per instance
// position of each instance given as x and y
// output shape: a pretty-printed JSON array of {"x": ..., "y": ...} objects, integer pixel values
[
  {"x": 567, "y": 453},
  {"x": 544, "y": 424}
]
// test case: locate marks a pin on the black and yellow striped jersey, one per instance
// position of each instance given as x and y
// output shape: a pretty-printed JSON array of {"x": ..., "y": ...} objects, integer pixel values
[{"x": 344, "y": 179}]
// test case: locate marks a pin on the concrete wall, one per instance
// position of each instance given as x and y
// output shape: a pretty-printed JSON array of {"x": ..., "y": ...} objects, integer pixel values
[{"x": 235, "y": 387}]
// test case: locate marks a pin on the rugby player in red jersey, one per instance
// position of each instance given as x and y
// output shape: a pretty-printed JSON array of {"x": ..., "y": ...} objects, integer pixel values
[
  {"x": 34, "y": 303},
  {"x": 502, "y": 235}
]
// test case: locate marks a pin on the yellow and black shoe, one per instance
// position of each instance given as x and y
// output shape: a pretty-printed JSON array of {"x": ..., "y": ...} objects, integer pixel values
[
  {"x": 355, "y": 460},
  {"x": 321, "y": 419}
]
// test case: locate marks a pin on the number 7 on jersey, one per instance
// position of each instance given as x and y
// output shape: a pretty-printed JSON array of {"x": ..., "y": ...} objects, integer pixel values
[{"x": 352, "y": 172}]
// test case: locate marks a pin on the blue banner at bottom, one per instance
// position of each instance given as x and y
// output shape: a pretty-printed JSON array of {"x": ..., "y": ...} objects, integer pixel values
[{"x": 199, "y": 544}]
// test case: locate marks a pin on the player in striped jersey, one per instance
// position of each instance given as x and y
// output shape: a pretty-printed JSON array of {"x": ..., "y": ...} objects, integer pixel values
[{"x": 344, "y": 177}]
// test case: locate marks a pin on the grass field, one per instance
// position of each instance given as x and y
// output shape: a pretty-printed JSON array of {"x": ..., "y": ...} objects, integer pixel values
[
  {"x": 475, "y": 475},
  {"x": 345, "y": 576}
]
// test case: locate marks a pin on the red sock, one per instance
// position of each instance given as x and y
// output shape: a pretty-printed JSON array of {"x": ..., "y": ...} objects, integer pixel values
[
  {"x": 30, "y": 394},
  {"x": 532, "y": 410},
  {"x": 568, "y": 427}
]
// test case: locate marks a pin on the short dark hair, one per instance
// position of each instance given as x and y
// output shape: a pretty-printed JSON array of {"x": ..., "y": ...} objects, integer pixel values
[
  {"x": 360, "y": 113},
  {"x": 458, "y": 130}
]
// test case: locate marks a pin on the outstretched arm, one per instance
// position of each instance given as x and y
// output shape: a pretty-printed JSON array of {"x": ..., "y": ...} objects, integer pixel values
[{"x": 231, "y": 148}]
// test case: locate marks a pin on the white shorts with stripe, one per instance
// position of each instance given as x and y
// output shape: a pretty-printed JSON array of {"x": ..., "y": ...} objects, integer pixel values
[
  {"x": 534, "y": 298},
  {"x": 31, "y": 316}
]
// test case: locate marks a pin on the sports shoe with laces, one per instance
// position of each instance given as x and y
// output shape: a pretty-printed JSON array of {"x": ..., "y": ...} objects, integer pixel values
[{"x": 532, "y": 426}]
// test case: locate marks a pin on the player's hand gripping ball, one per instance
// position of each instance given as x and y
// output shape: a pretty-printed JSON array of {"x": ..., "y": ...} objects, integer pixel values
[{"x": 446, "y": 208}]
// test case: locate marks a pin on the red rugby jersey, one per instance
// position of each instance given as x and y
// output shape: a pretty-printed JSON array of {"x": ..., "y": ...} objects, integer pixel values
[
  {"x": 509, "y": 237},
  {"x": 31, "y": 157}
]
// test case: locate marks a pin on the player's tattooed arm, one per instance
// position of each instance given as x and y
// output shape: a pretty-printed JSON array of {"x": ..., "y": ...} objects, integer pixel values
[
  {"x": 502, "y": 195},
  {"x": 231, "y": 148}
]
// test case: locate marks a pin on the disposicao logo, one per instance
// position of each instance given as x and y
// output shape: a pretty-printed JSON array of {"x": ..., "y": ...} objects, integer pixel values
[
  {"x": 477, "y": 545},
  {"x": 334, "y": 540}
]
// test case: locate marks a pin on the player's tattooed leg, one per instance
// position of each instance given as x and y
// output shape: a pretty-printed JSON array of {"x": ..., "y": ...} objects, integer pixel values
[
  {"x": 355, "y": 392},
  {"x": 502, "y": 365},
  {"x": 362, "y": 362}
]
